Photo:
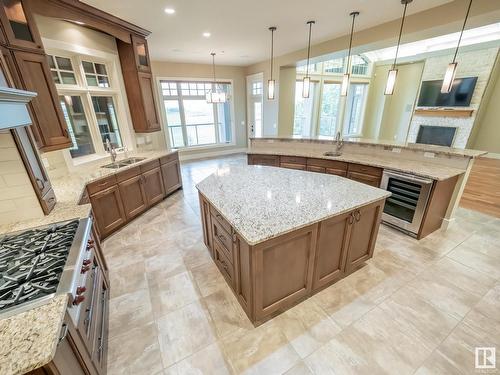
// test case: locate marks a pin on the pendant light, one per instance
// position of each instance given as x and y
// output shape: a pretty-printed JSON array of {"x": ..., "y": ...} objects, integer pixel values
[
  {"x": 306, "y": 82},
  {"x": 393, "y": 73},
  {"x": 451, "y": 71},
  {"x": 347, "y": 75},
  {"x": 215, "y": 96},
  {"x": 271, "y": 84}
]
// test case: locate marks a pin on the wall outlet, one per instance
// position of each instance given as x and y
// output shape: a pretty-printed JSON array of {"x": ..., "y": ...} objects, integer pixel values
[
  {"x": 429, "y": 154},
  {"x": 396, "y": 150}
]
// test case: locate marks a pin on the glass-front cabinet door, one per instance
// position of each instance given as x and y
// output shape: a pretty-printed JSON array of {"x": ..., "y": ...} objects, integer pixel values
[
  {"x": 141, "y": 54},
  {"x": 18, "y": 25}
]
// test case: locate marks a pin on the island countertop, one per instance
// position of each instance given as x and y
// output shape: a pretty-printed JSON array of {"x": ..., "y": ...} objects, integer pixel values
[{"x": 265, "y": 202}]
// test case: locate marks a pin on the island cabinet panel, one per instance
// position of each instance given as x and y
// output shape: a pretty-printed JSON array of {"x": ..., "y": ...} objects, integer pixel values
[
  {"x": 206, "y": 224},
  {"x": 108, "y": 210},
  {"x": 243, "y": 274},
  {"x": 223, "y": 263},
  {"x": 134, "y": 196},
  {"x": 331, "y": 250},
  {"x": 363, "y": 235},
  {"x": 269, "y": 160},
  {"x": 223, "y": 237},
  {"x": 283, "y": 271}
]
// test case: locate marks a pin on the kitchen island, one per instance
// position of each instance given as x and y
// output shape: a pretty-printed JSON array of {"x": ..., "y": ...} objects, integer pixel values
[{"x": 278, "y": 236}]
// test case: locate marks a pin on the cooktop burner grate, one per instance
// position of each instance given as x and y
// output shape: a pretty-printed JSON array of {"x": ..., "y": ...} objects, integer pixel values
[{"x": 31, "y": 262}]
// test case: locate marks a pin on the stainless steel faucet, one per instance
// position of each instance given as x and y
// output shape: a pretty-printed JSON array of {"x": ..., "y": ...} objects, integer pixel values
[
  {"x": 111, "y": 150},
  {"x": 339, "y": 143}
]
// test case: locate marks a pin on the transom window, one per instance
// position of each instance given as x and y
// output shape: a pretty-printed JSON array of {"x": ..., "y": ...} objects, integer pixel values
[
  {"x": 256, "y": 88},
  {"x": 88, "y": 102},
  {"x": 191, "y": 121}
]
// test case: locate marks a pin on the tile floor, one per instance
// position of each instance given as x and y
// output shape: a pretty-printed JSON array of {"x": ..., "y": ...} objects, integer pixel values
[{"x": 415, "y": 308}]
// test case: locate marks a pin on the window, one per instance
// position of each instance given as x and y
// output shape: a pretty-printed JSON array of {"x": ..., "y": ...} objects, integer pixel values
[
  {"x": 334, "y": 66},
  {"x": 88, "y": 102},
  {"x": 62, "y": 70},
  {"x": 354, "y": 108},
  {"x": 313, "y": 68},
  {"x": 359, "y": 65},
  {"x": 303, "y": 119},
  {"x": 191, "y": 121},
  {"x": 256, "y": 88},
  {"x": 330, "y": 103}
]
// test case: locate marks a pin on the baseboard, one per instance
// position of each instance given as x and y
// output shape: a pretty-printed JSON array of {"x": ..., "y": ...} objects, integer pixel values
[
  {"x": 446, "y": 222},
  {"x": 210, "y": 154}
]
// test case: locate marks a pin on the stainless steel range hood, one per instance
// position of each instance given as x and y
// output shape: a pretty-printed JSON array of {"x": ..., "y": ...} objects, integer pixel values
[{"x": 13, "y": 107}]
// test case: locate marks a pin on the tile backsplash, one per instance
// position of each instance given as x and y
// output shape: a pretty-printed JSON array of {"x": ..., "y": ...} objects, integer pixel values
[{"x": 17, "y": 198}]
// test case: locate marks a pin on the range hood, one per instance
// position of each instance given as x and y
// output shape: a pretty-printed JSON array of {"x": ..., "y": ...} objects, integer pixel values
[{"x": 13, "y": 107}]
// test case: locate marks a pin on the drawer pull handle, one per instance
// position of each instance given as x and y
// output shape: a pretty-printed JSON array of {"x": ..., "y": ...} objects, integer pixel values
[
  {"x": 64, "y": 332},
  {"x": 357, "y": 215},
  {"x": 351, "y": 218}
]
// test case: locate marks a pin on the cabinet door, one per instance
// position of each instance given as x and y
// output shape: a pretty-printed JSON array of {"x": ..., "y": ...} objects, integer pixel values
[
  {"x": 268, "y": 160},
  {"x": 108, "y": 210},
  {"x": 153, "y": 186},
  {"x": 337, "y": 172},
  {"x": 18, "y": 25},
  {"x": 364, "y": 178},
  {"x": 206, "y": 224},
  {"x": 171, "y": 173},
  {"x": 331, "y": 250},
  {"x": 301, "y": 167},
  {"x": 141, "y": 54},
  {"x": 363, "y": 235},
  {"x": 49, "y": 126},
  {"x": 146, "y": 85},
  {"x": 133, "y": 195}
]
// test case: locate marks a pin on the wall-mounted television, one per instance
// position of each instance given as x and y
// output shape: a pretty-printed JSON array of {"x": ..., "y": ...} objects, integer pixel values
[{"x": 459, "y": 96}]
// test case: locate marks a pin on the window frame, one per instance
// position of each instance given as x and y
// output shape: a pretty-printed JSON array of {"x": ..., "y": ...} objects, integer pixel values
[{"x": 163, "y": 115}]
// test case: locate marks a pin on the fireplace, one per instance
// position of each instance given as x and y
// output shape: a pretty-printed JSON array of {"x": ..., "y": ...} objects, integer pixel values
[{"x": 436, "y": 135}]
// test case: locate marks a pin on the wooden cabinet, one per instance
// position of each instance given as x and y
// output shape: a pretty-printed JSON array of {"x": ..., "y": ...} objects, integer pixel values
[
  {"x": 293, "y": 162},
  {"x": 365, "y": 174},
  {"x": 100, "y": 345},
  {"x": 269, "y": 160},
  {"x": 108, "y": 210},
  {"x": 364, "y": 178},
  {"x": 335, "y": 167},
  {"x": 49, "y": 127},
  {"x": 134, "y": 196},
  {"x": 206, "y": 224},
  {"x": 171, "y": 172},
  {"x": 153, "y": 186},
  {"x": 18, "y": 25},
  {"x": 136, "y": 68}
]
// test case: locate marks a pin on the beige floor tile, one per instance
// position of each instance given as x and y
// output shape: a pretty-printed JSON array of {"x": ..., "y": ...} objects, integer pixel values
[
  {"x": 262, "y": 350},
  {"x": 184, "y": 332},
  {"x": 227, "y": 316},
  {"x": 299, "y": 369},
  {"x": 196, "y": 255},
  {"x": 129, "y": 311},
  {"x": 209, "y": 360},
  {"x": 172, "y": 293},
  {"x": 307, "y": 327},
  {"x": 127, "y": 279},
  {"x": 135, "y": 352},
  {"x": 208, "y": 279},
  {"x": 489, "y": 305}
]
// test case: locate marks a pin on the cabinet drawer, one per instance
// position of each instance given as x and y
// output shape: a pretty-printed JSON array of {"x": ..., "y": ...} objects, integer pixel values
[
  {"x": 150, "y": 165},
  {"x": 314, "y": 168},
  {"x": 293, "y": 159},
  {"x": 269, "y": 160},
  {"x": 224, "y": 239},
  {"x": 337, "y": 172},
  {"x": 364, "y": 178},
  {"x": 101, "y": 184},
  {"x": 360, "y": 168},
  {"x": 301, "y": 167},
  {"x": 129, "y": 173},
  {"x": 225, "y": 224},
  {"x": 168, "y": 158},
  {"x": 223, "y": 263},
  {"x": 333, "y": 164}
]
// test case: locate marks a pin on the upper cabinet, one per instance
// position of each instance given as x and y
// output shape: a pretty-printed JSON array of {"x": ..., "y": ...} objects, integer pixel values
[
  {"x": 18, "y": 25},
  {"x": 136, "y": 68}
]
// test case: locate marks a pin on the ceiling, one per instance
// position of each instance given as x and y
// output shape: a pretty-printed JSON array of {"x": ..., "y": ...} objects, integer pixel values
[{"x": 239, "y": 29}]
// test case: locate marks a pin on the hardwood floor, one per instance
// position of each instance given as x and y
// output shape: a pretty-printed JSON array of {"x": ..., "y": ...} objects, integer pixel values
[{"x": 482, "y": 192}]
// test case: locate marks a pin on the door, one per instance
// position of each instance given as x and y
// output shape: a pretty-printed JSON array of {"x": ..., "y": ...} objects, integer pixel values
[
  {"x": 171, "y": 174},
  {"x": 153, "y": 186},
  {"x": 108, "y": 210},
  {"x": 134, "y": 196},
  {"x": 19, "y": 25},
  {"x": 49, "y": 127},
  {"x": 331, "y": 250},
  {"x": 141, "y": 54},
  {"x": 255, "y": 100},
  {"x": 146, "y": 84},
  {"x": 363, "y": 235}
]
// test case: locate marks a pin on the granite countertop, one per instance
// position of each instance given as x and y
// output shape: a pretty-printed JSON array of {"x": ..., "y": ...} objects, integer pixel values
[
  {"x": 29, "y": 340},
  {"x": 414, "y": 167},
  {"x": 265, "y": 202}
]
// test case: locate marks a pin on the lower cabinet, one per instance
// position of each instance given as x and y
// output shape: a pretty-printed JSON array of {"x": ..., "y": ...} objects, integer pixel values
[
  {"x": 108, "y": 210},
  {"x": 134, "y": 196},
  {"x": 364, "y": 178},
  {"x": 171, "y": 172},
  {"x": 153, "y": 186}
]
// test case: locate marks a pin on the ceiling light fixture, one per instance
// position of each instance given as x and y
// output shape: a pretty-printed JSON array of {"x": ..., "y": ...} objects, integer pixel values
[
  {"x": 306, "y": 82},
  {"x": 451, "y": 71},
  {"x": 169, "y": 10},
  {"x": 271, "y": 84},
  {"x": 347, "y": 76},
  {"x": 214, "y": 95},
  {"x": 206, "y": 34},
  {"x": 393, "y": 73}
]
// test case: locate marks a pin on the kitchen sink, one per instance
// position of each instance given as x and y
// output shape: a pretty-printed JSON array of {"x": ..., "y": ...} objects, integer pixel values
[
  {"x": 332, "y": 153},
  {"x": 122, "y": 163}
]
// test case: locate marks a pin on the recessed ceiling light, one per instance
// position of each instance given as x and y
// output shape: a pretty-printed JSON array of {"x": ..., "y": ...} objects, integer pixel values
[
  {"x": 206, "y": 34},
  {"x": 169, "y": 10}
]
